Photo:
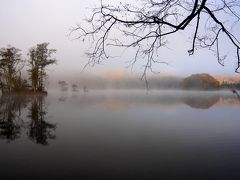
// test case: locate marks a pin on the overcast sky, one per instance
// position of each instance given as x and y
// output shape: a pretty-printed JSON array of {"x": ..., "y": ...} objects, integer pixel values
[{"x": 24, "y": 23}]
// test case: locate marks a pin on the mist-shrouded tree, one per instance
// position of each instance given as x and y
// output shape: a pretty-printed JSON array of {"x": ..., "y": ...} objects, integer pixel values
[
  {"x": 40, "y": 57},
  {"x": 63, "y": 85},
  {"x": 74, "y": 87},
  {"x": 147, "y": 25},
  {"x": 11, "y": 64}
]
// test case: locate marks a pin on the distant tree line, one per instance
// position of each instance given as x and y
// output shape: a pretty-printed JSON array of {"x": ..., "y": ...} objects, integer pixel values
[
  {"x": 230, "y": 85},
  {"x": 201, "y": 81},
  {"x": 12, "y": 64}
]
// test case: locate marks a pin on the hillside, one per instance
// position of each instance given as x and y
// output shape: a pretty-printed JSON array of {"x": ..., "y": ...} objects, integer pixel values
[{"x": 200, "y": 82}]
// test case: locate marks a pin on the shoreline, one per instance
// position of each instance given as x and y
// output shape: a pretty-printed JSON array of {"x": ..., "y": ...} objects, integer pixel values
[{"x": 26, "y": 93}]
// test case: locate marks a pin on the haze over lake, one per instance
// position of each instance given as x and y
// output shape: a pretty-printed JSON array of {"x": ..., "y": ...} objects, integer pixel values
[
  {"x": 119, "y": 89},
  {"x": 120, "y": 134}
]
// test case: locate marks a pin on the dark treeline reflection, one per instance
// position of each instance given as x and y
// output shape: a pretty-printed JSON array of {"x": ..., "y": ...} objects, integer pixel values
[
  {"x": 11, "y": 121},
  {"x": 22, "y": 114},
  {"x": 39, "y": 129},
  {"x": 201, "y": 101}
]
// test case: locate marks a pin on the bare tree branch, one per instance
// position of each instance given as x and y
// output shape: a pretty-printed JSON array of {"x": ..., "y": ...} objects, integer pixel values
[{"x": 146, "y": 26}]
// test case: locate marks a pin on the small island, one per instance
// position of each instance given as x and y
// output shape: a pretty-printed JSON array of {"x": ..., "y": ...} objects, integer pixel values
[
  {"x": 200, "y": 82},
  {"x": 13, "y": 65}
]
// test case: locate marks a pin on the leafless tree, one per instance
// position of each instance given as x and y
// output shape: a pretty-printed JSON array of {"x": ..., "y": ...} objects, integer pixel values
[{"x": 146, "y": 25}]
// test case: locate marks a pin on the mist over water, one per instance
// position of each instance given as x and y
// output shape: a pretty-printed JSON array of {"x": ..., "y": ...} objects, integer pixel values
[
  {"x": 120, "y": 134},
  {"x": 116, "y": 80},
  {"x": 104, "y": 121}
]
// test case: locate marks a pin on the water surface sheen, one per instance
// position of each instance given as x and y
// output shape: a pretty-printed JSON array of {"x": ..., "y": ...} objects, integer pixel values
[{"x": 120, "y": 135}]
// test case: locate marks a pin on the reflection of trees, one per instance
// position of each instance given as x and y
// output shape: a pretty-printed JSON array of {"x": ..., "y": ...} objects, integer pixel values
[
  {"x": 12, "y": 125},
  {"x": 201, "y": 102},
  {"x": 63, "y": 98},
  {"x": 39, "y": 130},
  {"x": 10, "y": 117}
]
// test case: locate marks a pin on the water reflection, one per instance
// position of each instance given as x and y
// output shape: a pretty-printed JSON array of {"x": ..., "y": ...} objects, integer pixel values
[
  {"x": 201, "y": 101},
  {"x": 121, "y": 135},
  {"x": 39, "y": 130},
  {"x": 115, "y": 100},
  {"x": 11, "y": 121},
  {"x": 20, "y": 114}
]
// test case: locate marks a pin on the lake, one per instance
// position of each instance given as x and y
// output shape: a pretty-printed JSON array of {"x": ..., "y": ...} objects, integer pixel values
[{"x": 120, "y": 134}]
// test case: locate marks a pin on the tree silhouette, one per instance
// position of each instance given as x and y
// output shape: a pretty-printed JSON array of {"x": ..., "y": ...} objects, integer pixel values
[
  {"x": 147, "y": 25},
  {"x": 10, "y": 65},
  {"x": 74, "y": 87},
  {"x": 63, "y": 85},
  {"x": 39, "y": 58}
]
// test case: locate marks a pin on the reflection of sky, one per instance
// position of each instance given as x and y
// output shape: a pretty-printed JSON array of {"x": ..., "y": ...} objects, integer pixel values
[
  {"x": 117, "y": 100},
  {"x": 25, "y": 23}
]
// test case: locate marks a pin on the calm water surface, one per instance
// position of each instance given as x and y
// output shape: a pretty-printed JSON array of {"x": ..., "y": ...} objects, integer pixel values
[{"x": 120, "y": 135}]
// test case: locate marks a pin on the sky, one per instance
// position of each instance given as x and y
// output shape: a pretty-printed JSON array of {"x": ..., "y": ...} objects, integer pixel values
[{"x": 25, "y": 23}]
